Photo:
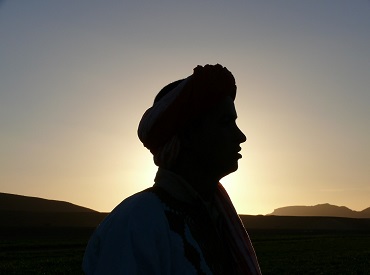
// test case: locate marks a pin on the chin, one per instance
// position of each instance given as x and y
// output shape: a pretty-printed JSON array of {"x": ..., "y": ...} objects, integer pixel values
[
  {"x": 230, "y": 169},
  {"x": 234, "y": 168}
]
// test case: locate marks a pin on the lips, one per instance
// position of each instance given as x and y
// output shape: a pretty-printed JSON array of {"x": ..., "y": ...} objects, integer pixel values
[{"x": 237, "y": 152}]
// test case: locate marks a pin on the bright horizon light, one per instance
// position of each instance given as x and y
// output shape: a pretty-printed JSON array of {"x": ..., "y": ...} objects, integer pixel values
[{"x": 76, "y": 79}]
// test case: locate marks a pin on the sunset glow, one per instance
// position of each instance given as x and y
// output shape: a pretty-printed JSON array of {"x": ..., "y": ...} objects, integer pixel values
[{"x": 77, "y": 76}]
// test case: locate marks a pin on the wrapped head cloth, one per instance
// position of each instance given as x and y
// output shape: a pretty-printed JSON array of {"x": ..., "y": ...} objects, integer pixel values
[{"x": 190, "y": 98}]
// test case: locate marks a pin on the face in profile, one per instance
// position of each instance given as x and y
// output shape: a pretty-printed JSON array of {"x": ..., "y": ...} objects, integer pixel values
[{"x": 217, "y": 141}]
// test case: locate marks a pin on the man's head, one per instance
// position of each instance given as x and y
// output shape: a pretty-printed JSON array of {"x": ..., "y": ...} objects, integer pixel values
[
  {"x": 192, "y": 122},
  {"x": 213, "y": 144}
]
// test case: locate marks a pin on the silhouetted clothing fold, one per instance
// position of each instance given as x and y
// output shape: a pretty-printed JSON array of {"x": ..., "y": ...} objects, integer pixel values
[{"x": 169, "y": 229}]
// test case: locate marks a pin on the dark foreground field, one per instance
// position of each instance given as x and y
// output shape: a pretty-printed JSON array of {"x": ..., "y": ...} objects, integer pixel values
[
  {"x": 60, "y": 251},
  {"x": 300, "y": 252}
]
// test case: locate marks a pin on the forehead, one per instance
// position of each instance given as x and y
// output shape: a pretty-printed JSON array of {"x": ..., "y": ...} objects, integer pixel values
[{"x": 224, "y": 108}]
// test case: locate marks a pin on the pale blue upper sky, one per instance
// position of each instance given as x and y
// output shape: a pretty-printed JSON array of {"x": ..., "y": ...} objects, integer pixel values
[{"x": 76, "y": 76}]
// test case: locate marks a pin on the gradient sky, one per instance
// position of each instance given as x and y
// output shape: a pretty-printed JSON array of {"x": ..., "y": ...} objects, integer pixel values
[{"x": 76, "y": 77}]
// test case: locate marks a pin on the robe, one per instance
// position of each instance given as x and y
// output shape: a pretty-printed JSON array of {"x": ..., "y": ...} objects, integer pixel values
[{"x": 169, "y": 229}]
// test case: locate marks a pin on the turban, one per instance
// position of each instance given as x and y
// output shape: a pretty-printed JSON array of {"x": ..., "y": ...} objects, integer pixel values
[{"x": 193, "y": 96}]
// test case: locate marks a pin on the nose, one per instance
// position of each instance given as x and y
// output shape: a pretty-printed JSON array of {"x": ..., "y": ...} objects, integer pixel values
[{"x": 241, "y": 137}]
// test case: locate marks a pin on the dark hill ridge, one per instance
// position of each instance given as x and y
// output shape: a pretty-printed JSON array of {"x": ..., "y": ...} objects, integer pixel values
[
  {"x": 11, "y": 202},
  {"x": 305, "y": 223},
  {"x": 325, "y": 210},
  {"x": 366, "y": 212},
  {"x": 29, "y": 212}
]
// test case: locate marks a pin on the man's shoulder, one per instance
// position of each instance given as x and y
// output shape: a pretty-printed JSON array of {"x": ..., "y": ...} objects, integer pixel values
[
  {"x": 139, "y": 203},
  {"x": 143, "y": 208},
  {"x": 137, "y": 223}
]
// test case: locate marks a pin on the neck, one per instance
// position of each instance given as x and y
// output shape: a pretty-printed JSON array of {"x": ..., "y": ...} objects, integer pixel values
[{"x": 202, "y": 182}]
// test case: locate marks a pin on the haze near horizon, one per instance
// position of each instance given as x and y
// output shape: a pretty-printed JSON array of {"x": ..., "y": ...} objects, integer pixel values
[{"x": 76, "y": 78}]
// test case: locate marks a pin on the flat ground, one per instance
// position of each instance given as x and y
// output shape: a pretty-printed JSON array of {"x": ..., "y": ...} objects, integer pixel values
[
  {"x": 60, "y": 251},
  {"x": 315, "y": 252}
]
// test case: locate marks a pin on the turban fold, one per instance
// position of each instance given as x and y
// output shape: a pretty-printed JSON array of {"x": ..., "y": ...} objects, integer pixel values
[{"x": 193, "y": 96}]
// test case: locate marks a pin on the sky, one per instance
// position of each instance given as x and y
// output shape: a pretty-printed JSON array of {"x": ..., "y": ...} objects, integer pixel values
[{"x": 76, "y": 77}]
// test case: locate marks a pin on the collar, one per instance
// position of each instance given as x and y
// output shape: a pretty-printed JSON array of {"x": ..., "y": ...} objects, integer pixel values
[
  {"x": 177, "y": 186},
  {"x": 181, "y": 190}
]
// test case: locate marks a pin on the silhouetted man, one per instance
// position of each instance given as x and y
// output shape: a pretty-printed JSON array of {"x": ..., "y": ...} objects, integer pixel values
[{"x": 185, "y": 223}]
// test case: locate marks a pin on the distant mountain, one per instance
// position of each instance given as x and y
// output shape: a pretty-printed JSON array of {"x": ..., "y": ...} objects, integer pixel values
[
  {"x": 326, "y": 210},
  {"x": 18, "y": 211},
  {"x": 366, "y": 212},
  {"x": 305, "y": 223},
  {"x": 30, "y": 213},
  {"x": 11, "y": 202}
]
